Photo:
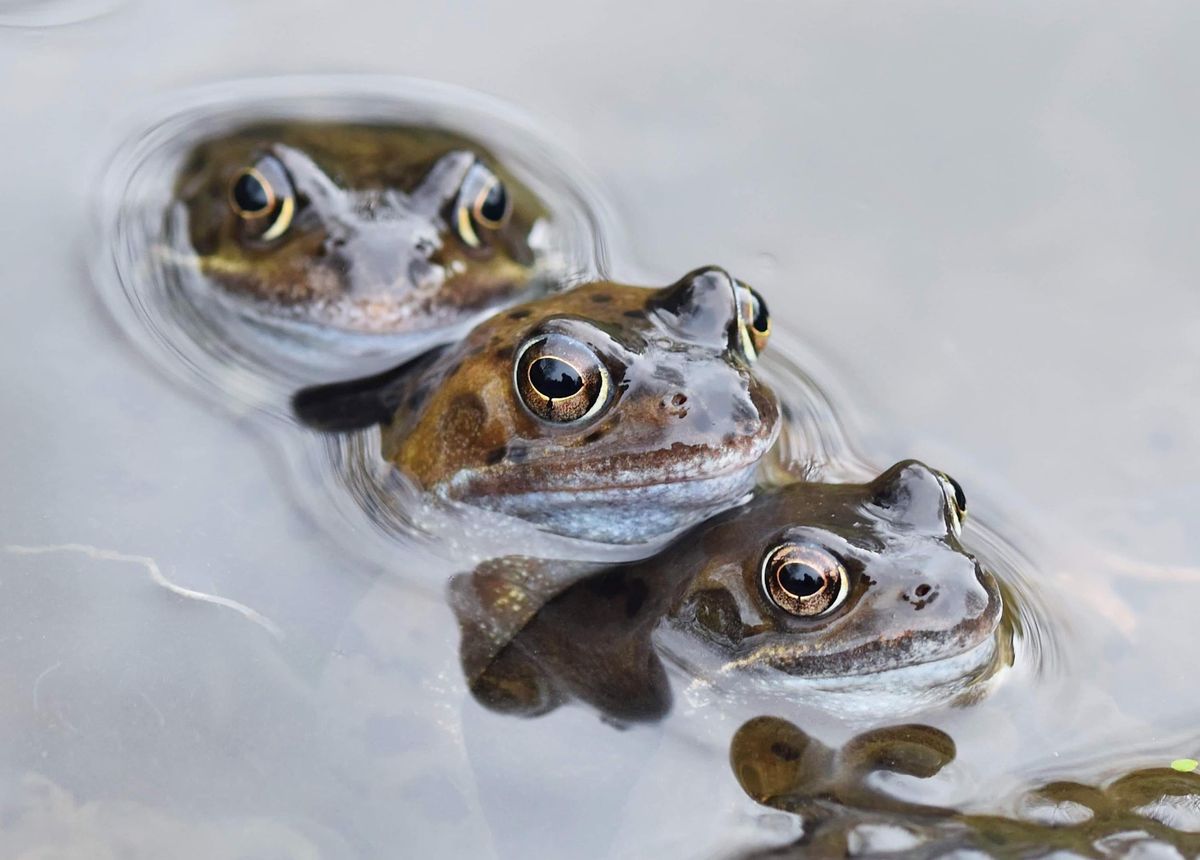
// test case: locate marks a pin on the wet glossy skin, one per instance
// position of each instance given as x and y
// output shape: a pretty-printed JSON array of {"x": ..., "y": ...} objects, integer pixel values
[
  {"x": 781, "y": 766},
  {"x": 666, "y": 426},
  {"x": 913, "y": 596},
  {"x": 368, "y": 228}
]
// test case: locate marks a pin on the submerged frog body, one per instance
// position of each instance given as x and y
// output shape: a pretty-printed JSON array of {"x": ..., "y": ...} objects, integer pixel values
[
  {"x": 828, "y": 586},
  {"x": 358, "y": 227},
  {"x": 611, "y": 413}
]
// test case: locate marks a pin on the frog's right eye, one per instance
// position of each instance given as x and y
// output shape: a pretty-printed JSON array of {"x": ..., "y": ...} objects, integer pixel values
[
  {"x": 754, "y": 321},
  {"x": 804, "y": 579},
  {"x": 956, "y": 502},
  {"x": 561, "y": 380},
  {"x": 483, "y": 205},
  {"x": 263, "y": 199}
]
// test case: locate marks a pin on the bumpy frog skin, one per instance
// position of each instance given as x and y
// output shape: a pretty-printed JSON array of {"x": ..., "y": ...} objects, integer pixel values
[
  {"x": 611, "y": 413},
  {"x": 900, "y": 592},
  {"x": 356, "y": 227}
]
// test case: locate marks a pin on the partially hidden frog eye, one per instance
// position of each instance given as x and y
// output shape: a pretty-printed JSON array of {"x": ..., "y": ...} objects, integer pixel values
[
  {"x": 483, "y": 204},
  {"x": 263, "y": 199},
  {"x": 956, "y": 501},
  {"x": 560, "y": 379},
  {"x": 754, "y": 321},
  {"x": 804, "y": 579}
]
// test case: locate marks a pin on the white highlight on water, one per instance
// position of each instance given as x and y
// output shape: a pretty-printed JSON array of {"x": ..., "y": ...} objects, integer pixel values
[{"x": 156, "y": 576}]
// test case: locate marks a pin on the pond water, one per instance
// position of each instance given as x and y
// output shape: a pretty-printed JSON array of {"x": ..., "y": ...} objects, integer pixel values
[{"x": 974, "y": 228}]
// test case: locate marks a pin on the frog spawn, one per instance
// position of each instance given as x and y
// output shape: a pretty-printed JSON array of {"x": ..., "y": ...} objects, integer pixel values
[{"x": 838, "y": 793}]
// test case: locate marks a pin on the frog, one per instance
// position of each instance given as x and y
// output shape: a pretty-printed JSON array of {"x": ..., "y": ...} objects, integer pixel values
[
  {"x": 609, "y": 413},
  {"x": 842, "y": 800},
  {"x": 359, "y": 228},
  {"x": 814, "y": 591}
]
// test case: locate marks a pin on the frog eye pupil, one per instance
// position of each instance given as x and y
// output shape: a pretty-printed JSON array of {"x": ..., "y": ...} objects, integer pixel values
[
  {"x": 561, "y": 379},
  {"x": 554, "y": 379},
  {"x": 762, "y": 319},
  {"x": 800, "y": 579},
  {"x": 494, "y": 204},
  {"x": 804, "y": 579},
  {"x": 960, "y": 497},
  {"x": 251, "y": 194}
]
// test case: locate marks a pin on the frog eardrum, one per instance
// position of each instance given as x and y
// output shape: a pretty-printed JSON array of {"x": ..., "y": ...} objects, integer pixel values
[
  {"x": 263, "y": 199},
  {"x": 804, "y": 579},
  {"x": 560, "y": 380},
  {"x": 482, "y": 203}
]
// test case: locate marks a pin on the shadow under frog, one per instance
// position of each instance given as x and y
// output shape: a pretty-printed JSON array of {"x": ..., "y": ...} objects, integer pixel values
[
  {"x": 611, "y": 413},
  {"x": 358, "y": 228},
  {"x": 837, "y": 793},
  {"x": 819, "y": 592}
]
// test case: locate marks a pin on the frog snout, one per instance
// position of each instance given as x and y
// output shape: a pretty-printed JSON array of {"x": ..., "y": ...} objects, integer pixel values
[{"x": 390, "y": 256}]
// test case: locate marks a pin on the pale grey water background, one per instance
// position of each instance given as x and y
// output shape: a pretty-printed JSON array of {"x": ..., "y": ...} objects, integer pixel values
[{"x": 982, "y": 219}]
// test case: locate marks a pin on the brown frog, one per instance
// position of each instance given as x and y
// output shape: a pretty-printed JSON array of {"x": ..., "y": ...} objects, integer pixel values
[
  {"x": 610, "y": 412},
  {"x": 809, "y": 589},
  {"x": 359, "y": 227}
]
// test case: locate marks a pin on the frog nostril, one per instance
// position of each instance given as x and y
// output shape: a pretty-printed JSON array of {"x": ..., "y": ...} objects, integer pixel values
[
  {"x": 923, "y": 595},
  {"x": 425, "y": 277},
  {"x": 675, "y": 404}
]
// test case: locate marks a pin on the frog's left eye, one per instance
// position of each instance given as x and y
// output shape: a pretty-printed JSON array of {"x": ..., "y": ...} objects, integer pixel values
[
  {"x": 804, "y": 579},
  {"x": 262, "y": 198},
  {"x": 483, "y": 204},
  {"x": 560, "y": 379},
  {"x": 754, "y": 321}
]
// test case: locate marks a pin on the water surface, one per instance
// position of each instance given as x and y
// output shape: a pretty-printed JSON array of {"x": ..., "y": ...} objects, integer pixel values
[{"x": 975, "y": 222}]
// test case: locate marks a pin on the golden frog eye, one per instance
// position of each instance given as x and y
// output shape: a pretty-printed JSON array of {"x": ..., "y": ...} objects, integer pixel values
[
  {"x": 754, "y": 321},
  {"x": 262, "y": 198},
  {"x": 804, "y": 579},
  {"x": 483, "y": 203},
  {"x": 956, "y": 501},
  {"x": 560, "y": 379}
]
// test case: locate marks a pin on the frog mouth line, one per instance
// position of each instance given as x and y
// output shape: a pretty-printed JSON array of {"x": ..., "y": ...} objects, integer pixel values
[
  {"x": 401, "y": 309},
  {"x": 514, "y": 480},
  {"x": 644, "y": 508}
]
